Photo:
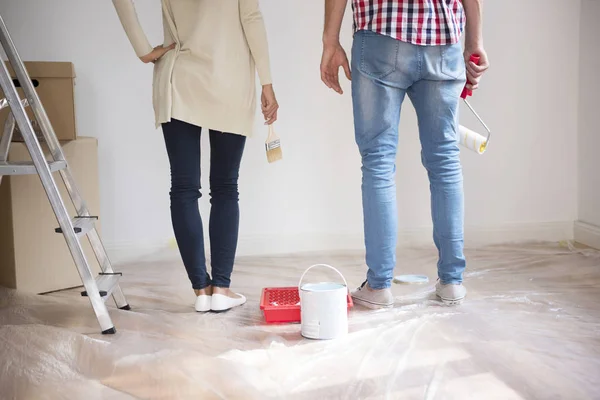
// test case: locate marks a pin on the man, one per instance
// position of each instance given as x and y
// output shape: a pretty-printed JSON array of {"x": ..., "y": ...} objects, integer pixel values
[{"x": 407, "y": 47}]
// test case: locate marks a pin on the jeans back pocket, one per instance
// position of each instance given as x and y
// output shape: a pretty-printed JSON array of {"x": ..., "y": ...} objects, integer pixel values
[
  {"x": 379, "y": 54},
  {"x": 453, "y": 63}
]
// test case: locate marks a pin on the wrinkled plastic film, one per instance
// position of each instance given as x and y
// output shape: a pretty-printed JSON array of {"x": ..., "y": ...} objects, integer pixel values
[{"x": 528, "y": 330}]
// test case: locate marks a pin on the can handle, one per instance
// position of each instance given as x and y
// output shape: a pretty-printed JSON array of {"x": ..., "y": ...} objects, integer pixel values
[
  {"x": 468, "y": 92},
  {"x": 320, "y": 265}
]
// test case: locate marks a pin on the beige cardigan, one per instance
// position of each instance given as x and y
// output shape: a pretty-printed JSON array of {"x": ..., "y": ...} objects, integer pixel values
[{"x": 209, "y": 78}]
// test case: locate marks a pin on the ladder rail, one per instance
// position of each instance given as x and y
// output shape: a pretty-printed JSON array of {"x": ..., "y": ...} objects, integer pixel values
[
  {"x": 9, "y": 128},
  {"x": 43, "y": 169},
  {"x": 105, "y": 265}
]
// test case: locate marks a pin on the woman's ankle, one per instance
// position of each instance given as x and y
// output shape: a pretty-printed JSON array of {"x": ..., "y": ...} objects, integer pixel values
[
  {"x": 207, "y": 291},
  {"x": 224, "y": 291}
]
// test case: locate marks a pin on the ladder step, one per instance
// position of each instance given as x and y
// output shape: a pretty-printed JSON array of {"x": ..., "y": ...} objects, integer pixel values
[
  {"x": 4, "y": 103},
  {"x": 27, "y": 167},
  {"x": 106, "y": 284},
  {"x": 81, "y": 225}
]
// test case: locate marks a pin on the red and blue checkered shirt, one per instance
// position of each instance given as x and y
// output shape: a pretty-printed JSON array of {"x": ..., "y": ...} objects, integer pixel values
[{"x": 420, "y": 22}]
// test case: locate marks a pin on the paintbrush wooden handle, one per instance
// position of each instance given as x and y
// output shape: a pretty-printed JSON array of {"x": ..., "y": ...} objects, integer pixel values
[{"x": 272, "y": 134}]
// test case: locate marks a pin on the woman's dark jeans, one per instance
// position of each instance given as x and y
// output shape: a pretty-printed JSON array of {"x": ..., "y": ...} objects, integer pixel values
[{"x": 226, "y": 149}]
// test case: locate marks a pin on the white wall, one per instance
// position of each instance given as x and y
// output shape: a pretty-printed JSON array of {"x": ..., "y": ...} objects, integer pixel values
[
  {"x": 587, "y": 229},
  {"x": 523, "y": 188}
]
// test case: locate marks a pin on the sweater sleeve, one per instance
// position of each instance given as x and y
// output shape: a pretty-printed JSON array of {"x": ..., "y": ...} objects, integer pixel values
[
  {"x": 133, "y": 29},
  {"x": 256, "y": 36}
]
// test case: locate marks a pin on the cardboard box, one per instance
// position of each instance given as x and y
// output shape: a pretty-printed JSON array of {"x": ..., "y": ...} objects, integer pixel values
[
  {"x": 34, "y": 258},
  {"x": 55, "y": 85}
]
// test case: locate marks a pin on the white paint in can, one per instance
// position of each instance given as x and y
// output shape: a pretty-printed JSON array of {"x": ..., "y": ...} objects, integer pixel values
[{"x": 323, "y": 308}]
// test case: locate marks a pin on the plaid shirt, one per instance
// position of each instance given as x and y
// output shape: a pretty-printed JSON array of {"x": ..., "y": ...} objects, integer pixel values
[{"x": 420, "y": 22}]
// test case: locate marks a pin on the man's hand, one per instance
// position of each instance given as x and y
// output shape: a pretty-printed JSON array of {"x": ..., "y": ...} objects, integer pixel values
[
  {"x": 269, "y": 105},
  {"x": 156, "y": 54},
  {"x": 475, "y": 71},
  {"x": 333, "y": 58}
]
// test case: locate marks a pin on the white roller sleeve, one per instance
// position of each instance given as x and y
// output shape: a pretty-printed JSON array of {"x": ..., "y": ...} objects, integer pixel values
[{"x": 472, "y": 140}]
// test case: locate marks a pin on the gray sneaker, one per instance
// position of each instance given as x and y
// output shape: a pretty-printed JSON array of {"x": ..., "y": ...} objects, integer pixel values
[
  {"x": 371, "y": 298},
  {"x": 451, "y": 294}
]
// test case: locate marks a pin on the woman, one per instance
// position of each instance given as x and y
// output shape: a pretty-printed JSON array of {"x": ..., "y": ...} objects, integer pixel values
[{"x": 204, "y": 77}]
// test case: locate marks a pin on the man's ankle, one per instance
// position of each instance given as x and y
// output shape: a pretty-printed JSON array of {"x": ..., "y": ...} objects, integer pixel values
[{"x": 372, "y": 289}]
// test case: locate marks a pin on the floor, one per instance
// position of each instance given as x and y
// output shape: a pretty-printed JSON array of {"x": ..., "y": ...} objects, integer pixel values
[{"x": 529, "y": 330}]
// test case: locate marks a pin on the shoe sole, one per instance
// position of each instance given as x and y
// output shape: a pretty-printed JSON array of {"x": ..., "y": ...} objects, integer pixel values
[
  {"x": 220, "y": 311},
  {"x": 370, "y": 305},
  {"x": 450, "y": 302},
  {"x": 225, "y": 309}
]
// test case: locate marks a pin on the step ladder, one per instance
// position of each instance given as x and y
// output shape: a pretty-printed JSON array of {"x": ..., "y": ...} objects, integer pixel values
[{"x": 73, "y": 229}]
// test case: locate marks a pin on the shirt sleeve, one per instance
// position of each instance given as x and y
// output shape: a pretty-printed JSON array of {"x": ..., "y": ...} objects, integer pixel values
[
  {"x": 133, "y": 28},
  {"x": 256, "y": 36}
]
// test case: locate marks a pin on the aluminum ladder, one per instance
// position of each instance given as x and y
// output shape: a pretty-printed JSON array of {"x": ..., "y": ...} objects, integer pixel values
[{"x": 73, "y": 229}]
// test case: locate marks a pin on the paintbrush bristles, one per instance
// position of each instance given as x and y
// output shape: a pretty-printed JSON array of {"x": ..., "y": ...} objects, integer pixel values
[{"x": 274, "y": 155}]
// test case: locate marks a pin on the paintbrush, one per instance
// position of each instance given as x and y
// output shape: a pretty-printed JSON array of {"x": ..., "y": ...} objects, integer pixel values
[{"x": 273, "y": 146}]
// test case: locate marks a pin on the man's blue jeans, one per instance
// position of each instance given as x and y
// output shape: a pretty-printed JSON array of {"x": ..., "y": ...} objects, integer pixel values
[{"x": 384, "y": 70}]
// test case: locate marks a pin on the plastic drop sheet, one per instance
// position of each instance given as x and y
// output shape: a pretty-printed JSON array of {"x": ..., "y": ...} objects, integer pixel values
[{"x": 529, "y": 329}]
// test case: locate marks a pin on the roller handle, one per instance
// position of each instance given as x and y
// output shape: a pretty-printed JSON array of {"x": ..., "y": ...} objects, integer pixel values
[{"x": 468, "y": 92}]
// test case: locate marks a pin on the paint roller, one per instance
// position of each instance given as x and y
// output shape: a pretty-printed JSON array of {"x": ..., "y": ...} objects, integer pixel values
[{"x": 468, "y": 138}]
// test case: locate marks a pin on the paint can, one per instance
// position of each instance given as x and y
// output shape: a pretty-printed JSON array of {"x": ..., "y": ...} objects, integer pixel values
[{"x": 323, "y": 307}]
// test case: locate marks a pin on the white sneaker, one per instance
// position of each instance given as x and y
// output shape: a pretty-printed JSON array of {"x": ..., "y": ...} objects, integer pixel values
[
  {"x": 451, "y": 294},
  {"x": 373, "y": 299},
  {"x": 221, "y": 303},
  {"x": 203, "y": 303}
]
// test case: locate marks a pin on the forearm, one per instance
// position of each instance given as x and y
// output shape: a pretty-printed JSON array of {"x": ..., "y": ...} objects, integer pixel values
[
  {"x": 256, "y": 36},
  {"x": 474, "y": 13},
  {"x": 334, "y": 14},
  {"x": 133, "y": 29}
]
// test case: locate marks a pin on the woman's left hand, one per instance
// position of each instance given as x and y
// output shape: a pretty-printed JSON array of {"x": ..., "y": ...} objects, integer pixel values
[
  {"x": 269, "y": 105},
  {"x": 156, "y": 54}
]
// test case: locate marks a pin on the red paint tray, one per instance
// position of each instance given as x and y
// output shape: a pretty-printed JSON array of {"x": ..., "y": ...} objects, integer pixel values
[{"x": 283, "y": 304}]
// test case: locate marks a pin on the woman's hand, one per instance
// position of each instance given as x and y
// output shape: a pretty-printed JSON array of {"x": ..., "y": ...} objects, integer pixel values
[
  {"x": 269, "y": 104},
  {"x": 156, "y": 54}
]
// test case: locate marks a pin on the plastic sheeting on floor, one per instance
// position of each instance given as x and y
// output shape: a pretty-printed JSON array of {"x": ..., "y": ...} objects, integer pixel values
[{"x": 530, "y": 329}]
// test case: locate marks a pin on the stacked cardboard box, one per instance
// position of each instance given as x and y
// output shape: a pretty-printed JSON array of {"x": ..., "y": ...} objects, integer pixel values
[
  {"x": 33, "y": 257},
  {"x": 54, "y": 83}
]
